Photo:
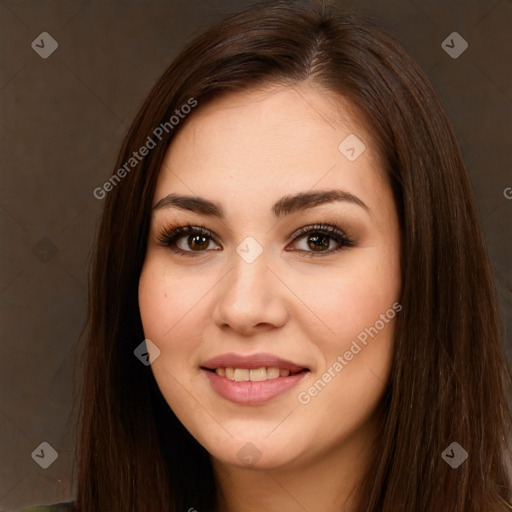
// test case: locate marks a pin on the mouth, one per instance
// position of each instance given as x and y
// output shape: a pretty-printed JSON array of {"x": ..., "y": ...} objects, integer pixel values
[
  {"x": 252, "y": 380},
  {"x": 254, "y": 374}
]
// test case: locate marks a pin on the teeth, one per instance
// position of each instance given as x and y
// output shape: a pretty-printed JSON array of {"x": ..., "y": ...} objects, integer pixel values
[
  {"x": 241, "y": 374},
  {"x": 272, "y": 373},
  {"x": 254, "y": 374},
  {"x": 257, "y": 374}
]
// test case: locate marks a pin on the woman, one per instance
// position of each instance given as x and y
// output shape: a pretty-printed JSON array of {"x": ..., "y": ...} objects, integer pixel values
[{"x": 291, "y": 307}]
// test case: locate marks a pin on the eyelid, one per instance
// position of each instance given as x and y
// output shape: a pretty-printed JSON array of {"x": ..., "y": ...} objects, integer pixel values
[
  {"x": 178, "y": 230},
  {"x": 175, "y": 231},
  {"x": 331, "y": 230},
  {"x": 321, "y": 227}
]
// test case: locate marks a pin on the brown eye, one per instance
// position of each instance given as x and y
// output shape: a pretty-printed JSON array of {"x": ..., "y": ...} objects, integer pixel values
[
  {"x": 187, "y": 239},
  {"x": 320, "y": 240},
  {"x": 198, "y": 242}
]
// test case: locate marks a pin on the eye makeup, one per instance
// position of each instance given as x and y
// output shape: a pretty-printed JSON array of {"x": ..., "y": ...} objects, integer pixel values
[{"x": 200, "y": 237}]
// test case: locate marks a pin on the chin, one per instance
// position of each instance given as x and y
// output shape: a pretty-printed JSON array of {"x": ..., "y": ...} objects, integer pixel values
[
  {"x": 252, "y": 455},
  {"x": 258, "y": 451}
]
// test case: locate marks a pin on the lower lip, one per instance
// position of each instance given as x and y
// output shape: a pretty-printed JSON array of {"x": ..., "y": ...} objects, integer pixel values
[{"x": 252, "y": 393}]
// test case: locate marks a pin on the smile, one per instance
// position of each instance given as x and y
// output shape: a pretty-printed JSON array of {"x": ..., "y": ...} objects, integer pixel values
[
  {"x": 254, "y": 374},
  {"x": 252, "y": 380}
]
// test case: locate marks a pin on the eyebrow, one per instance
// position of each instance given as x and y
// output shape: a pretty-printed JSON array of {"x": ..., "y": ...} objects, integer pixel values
[{"x": 284, "y": 206}]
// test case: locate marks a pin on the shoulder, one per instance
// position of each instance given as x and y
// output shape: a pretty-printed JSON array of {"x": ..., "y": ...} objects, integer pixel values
[{"x": 57, "y": 507}]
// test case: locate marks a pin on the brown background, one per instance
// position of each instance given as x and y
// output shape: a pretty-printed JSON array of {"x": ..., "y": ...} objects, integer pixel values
[{"x": 62, "y": 120}]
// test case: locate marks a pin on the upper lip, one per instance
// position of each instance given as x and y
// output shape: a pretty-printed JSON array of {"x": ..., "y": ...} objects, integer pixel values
[{"x": 250, "y": 362}]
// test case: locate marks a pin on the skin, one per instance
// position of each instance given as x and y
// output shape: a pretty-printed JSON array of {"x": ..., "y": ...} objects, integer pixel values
[{"x": 246, "y": 150}]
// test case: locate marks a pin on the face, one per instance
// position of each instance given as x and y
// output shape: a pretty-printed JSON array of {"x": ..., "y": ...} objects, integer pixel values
[{"x": 273, "y": 311}]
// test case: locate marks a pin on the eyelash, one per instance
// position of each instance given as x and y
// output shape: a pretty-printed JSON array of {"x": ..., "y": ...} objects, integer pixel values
[{"x": 172, "y": 233}]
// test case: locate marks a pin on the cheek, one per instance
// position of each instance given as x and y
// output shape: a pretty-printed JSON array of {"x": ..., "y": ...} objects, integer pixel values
[
  {"x": 358, "y": 320},
  {"x": 344, "y": 302},
  {"x": 173, "y": 317},
  {"x": 171, "y": 312},
  {"x": 356, "y": 360},
  {"x": 171, "y": 305}
]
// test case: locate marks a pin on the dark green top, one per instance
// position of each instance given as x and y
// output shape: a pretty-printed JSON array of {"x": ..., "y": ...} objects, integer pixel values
[{"x": 57, "y": 507}]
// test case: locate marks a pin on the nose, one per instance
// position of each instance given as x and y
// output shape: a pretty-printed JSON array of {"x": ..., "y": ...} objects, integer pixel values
[{"x": 251, "y": 300}]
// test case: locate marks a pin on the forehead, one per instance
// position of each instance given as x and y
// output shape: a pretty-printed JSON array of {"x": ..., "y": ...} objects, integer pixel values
[{"x": 281, "y": 138}]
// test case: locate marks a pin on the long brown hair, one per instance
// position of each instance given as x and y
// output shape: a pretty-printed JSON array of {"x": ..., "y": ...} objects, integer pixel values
[{"x": 449, "y": 380}]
